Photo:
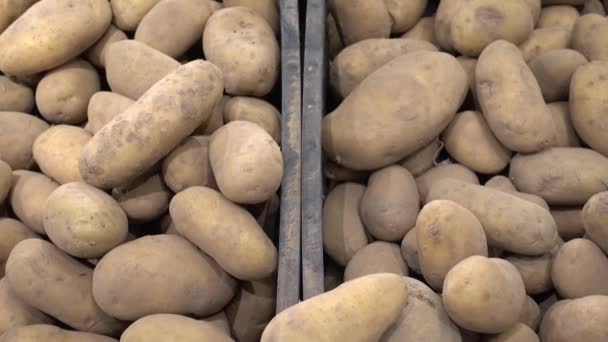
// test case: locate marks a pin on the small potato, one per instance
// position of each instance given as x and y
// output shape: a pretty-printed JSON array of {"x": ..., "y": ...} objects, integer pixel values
[
  {"x": 229, "y": 234},
  {"x": 580, "y": 269},
  {"x": 390, "y": 204},
  {"x": 554, "y": 69},
  {"x": 57, "y": 151},
  {"x": 17, "y": 136},
  {"x": 362, "y": 20},
  {"x": 10, "y": 11},
  {"x": 561, "y": 175},
  {"x": 15, "y": 97},
  {"x": 584, "y": 319},
  {"x": 51, "y": 33},
  {"x": 353, "y": 64},
  {"x": 565, "y": 135},
  {"x": 569, "y": 222},
  {"x": 595, "y": 218},
  {"x": 12, "y": 232},
  {"x": 590, "y": 37},
  {"x": 15, "y": 312},
  {"x": 517, "y": 333},
  {"x": 173, "y": 26},
  {"x": 356, "y": 311},
  {"x": 266, "y": 8},
  {"x": 484, "y": 295},
  {"x": 530, "y": 314},
  {"x": 97, "y": 53},
  {"x": 242, "y": 44},
  {"x": 188, "y": 165},
  {"x": 246, "y": 161},
  {"x": 543, "y": 40},
  {"x": 501, "y": 75},
  {"x": 129, "y": 13},
  {"x": 58, "y": 285},
  {"x": 103, "y": 107},
  {"x": 561, "y": 15},
  {"x": 215, "y": 120},
  {"x": 184, "y": 279},
  {"x": 6, "y": 180},
  {"x": 446, "y": 233},
  {"x": 422, "y": 160},
  {"x": 423, "y": 318},
  {"x": 443, "y": 171},
  {"x": 251, "y": 309},
  {"x": 145, "y": 199},
  {"x": 377, "y": 257},
  {"x": 470, "y": 141},
  {"x": 28, "y": 197},
  {"x": 168, "y": 327},
  {"x": 409, "y": 250},
  {"x": 254, "y": 110},
  {"x": 535, "y": 272},
  {"x": 51, "y": 333},
  {"x": 423, "y": 30},
  {"x": 446, "y": 11},
  {"x": 535, "y": 7}
]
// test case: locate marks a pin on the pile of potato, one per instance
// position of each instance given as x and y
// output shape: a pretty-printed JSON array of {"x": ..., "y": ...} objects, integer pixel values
[
  {"x": 467, "y": 167},
  {"x": 139, "y": 166}
]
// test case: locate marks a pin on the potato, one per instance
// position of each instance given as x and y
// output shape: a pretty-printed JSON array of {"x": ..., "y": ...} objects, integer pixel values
[
  {"x": 543, "y": 40},
  {"x": 17, "y": 136},
  {"x": 343, "y": 231},
  {"x": 535, "y": 272},
  {"x": 103, "y": 107},
  {"x": 197, "y": 285},
  {"x": 10, "y": 11},
  {"x": 50, "y": 333},
  {"x": 517, "y": 333},
  {"x": 422, "y": 318},
  {"x": 587, "y": 104},
  {"x": 569, "y": 222},
  {"x": 503, "y": 184},
  {"x": 405, "y": 13},
  {"x": 361, "y": 20},
  {"x": 511, "y": 99},
  {"x": 530, "y": 314},
  {"x": 12, "y": 232},
  {"x": 173, "y": 26},
  {"x": 254, "y": 110},
  {"x": 565, "y": 135},
  {"x": 471, "y": 142},
  {"x": 580, "y": 269},
  {"x": 244, "y": 250},
  {"x": 149, "y": 129},
  {"x": 590, "y": 37},
  {"x": 510, "y": 223},
  {"x": 422, "y": 160},
  {"x": 353, "y": 64},
  {"x": 6, "y": 180},
  {"x": 188, "y": 165},
  {"x": 219, "y": 321},
  {"x": 216, "y": 119},
  {"x": 586, "y": 318},
  {"x": 251, "y": 309},
  {"x": 377, "y": 257},
  {"x": 15, "y": 312},
  {"x": 390, "y": 204},
  {"x": 561, "y": 15},
  {"x": 594, "y": 6},
  {"x": 246, "y": 161},
  {"x": 15, "y": 97},
  {"x": 241, "y": 43},
  {"x": 535, "y": 7},
  {"x": 595, "y": 216},
  {"x": 167, "y": 327},
  {"x": 132, "y": 67},
  {"x": 57, "y": 151},
  {"x": 44, "y": 277},
  {"x": 561, "y": 175},
  {"x": 446, "y": 11},
  {"x": 443, "y": 171},
  {"x": 423, "y": 30},
  {"x": 397, "y": 93},
  {"x": 358, "y": 310},
  {"x": 484, "y": 295},
  {"x": 51, "y": 33},
  {"x": 145, "y": 199},
  {"x": 334, "y": 40},
  {"x": 553, "y": 71},
  {"x": 266, "y": 8},
  {"x": 409, "y": 250},
  {"x": 446, "y": 233},
  {"x": 129, "y": 13},
  {"x": 97, "y": 53},
  {"x": 28, "y": 196}
]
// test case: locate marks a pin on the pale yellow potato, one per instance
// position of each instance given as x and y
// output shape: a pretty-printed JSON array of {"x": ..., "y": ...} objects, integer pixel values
[
  {"x": 28, "y": 196},
  {"x": 51, "y": 33},
  {"x": 160, "y": 273},
  {"x": 584, "y": 319},
  {"x": 425, "y": 181},
  {"x": 51, "y": 333},
  {"x": 188, "y": 165},
  {"x": 590, "y": 37},
  {"x": 169, "y": 327},
  {"x": 595, "y": 217},
  {"x": 503, "y": 184},
  {"x": 423, "y": 30},
  {"x": 530, "y": 314},
  {"x": 377, "y": 257},
  {"x": 127, "y": 14},
  {"x": 15, "y": 97},
  {"x": 446, "y": 12},
  {"x": 97, "y": 53},
  {"x": 535, "y": 272},
  {"x": 251, "y": 309},
  {"x": 51, "y": 281},
  {"x": 422, "y": 160},
  {"x": 215, "y": 120},
  {"x": 554, "y": 69},
  {"x": 15, "y": 312},
  {"x": 409, "y": 250},
  {"x": 57, "y": 151},
  {"x": 484, "y": 295},
  {"x": 357, "y": 311},
  {"x": 19, "y": 130},
  {"x": 10, "y": 10},
  {"x": 362, "y": 19},
  {"x": 543, "y": 40},
  {"x": 6, "y": 180},
  {"x": 268, "y": 9},
  {"x": 580, "y": 269},
  {"x": 561, "y": 15},
  {"x": 569, "y": 222},
  {"x": 517, "y": 333},
  {"x": 103, "y": 107},
  {"x": 145, "y": 199},
  {"x": 12, "y": 232},
  {"x": 565, "y": 134},
  {"x": 254, "y": 110},
  {"x": 404, "y": 13}
]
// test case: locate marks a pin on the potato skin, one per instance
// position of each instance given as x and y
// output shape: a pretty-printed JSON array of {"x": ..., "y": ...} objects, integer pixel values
[
  {"x": 55, "y": 31},
  {"x": 17, "y": 137},
  {"x": 229, "y": 234},
  {"x": 145, "y": 199},
  {"x": 409, "y": 250},
  {"x": 128, "y": 14},
  {"x": 103, "y": 107},
  {"x": 580, "y": 269},
  {"x": 570, "y": 222},
  {"x": 361, "y": 19},
  {"x": 266, "y": 8},
  {"x": 544, "y": 40},
  {"x": 28, "y": 196},
  {"x": 12, "y": 232},
  {"x": 374, "y": 303},
  {"x": 501, "y": 75},
  {"x": 423, "y": 30},
  {"x": 535, "y": 272},
  {"x": 422, "y": 160},
  {"x": 397, "y": 93},
  {"x": 166, "y": 327},
  {"x": 15, "y": 97},
  {"x": 149, "y": 129},
  {"x": 446, "y": 233},
  {"x": 559, "y": 15},
  {"x": 198, "y": 285},
  {"x": 554, "y": 69},
  {"x": 377, "y": 257},
  {"x": 561, "y": 175},
  {"x": 595, "y": 216},
  {"x": 62, "y": 291},
  {"x": 237, "y": 32},
  {"x": 522, "y": 227},
  {"x": 425, "y": 181},
  {"x": 484, "y": 294},
  {"x": 6, "y": 180},
  {"x": 251, "y": 309},
  {"x": 590, "y": 37},
  {"x": 254, "y": 110},
  {"x": 587, "y": 320},
  {"x": 215, "y": 120},
  {"x": 517, "y": 333},
  {"x": 51, "y": 333},
  {"x": 565, "y": 135},
  {"x": 15, "y": 312},
  {"x": 530, "y": 314},
  {"x": 390, "y": 204},
  {"x": 10, "y": 11},
  {"x": 188, "y": 165}
]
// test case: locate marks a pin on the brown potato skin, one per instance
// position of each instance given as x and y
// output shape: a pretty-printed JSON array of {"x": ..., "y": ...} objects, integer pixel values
[
  {"x": 12, "y": 232},
  {"x": 544, "y": 40},
  {"x": 580, "y": 269},
  {"x": 12, "y": 10},
  {"x": 15, "y": 312},
  {"x": 188, "y": 165},
  {"x": 595, "y": 216},
  {"x": 558, "y": 15},
  {"x": 251, "y": 309},
  {"x": 587, "y": 317},
  {"x": 145, "y": 199},
  {"x": 62, "y": 291},
  {"x": 254, "y": 110},
  {"x": 17, "y": 137},
  {"x": 15, "y": 96},
  {"x": 216, "y": 119},
  {"x": 565, "y": 135},
  {"x": 554, "y": 70},
  {"x": 425, "y": 181},
  {"x": 409, "y": 250},
  {"x": 51, "y": 333},
  {"x": 517, "y": 333},
  {"x": 530, "y": 314},
  {"x": 590, "y": 37},
  {"x": 570, "y": 222},
  {"x": 377, "y": 257},
  {"x": 360, "y": 20},
  {"x": 127, "y": 14},
  {"x": 422, "y": 160},
  {"x": 167, "y": 327},
  {"x": 97, "y": 53},
  {"x": 28, "y": 196},
  {"x": 535, "y": 272},
  {"x": 103, "y": 107}
]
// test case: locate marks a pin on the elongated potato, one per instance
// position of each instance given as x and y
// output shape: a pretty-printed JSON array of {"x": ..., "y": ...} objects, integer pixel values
[
  {"x": 145, "y": 199},
  {"x": 57, "y": 151},
  {"x": 357, "y": 311},
  {"x": 570, "y": 222},
  {"x": 590, "y": 37},
  {"x": 103, "y": 107},
  {"x": 397, "y": 93},
  {"x": 15, "y": 312},
  {"x": 543, "y": 40},
  {"x": 167, "y": 327},
  {"x": 587, "y": 320},
  {"x": 360, "y": 20},
  {"x": 97, "y": 53},
  {"x": 534, "y": 271},
  {"x": 184, "y": 279},
  {"x": 422, "y": 160},
  {"x": 425, "y": 181},
  {"x": 10, "y": 11},
  {"x": 254, "y": 110},
  {"x": 511, "y": 99},
  {"x": 6, "y": 180},
  {"x": 558, "y": 15},
  {"x": 62, "y": 290},
  {"x": 405, "y": 13},
  {"x": 423, "y": 30},
  {"x": 188, "y": 165},
  {"x": 377, "y": 257},
  {"x": 17, "y": 136},
  {"x": 409, "y": 250},
  {"x": 251, "y": 309},
  {"x": 390, "y": 204},
  {"x": 580, "y": 269},
  {"x": 51, "y": 333},
  {"x": 517, "y": 333},
  {"x": 565, "y": 135},
  {"x": 15, "y": 97},
  {"x": 595, "y": 216},
  {"x": 266, "y": 8},
  {"x": 28, "y": 197},
  {"x": 510, "y": 223},
  {"x": 12, "y": 232},
  {"x": 554, "y": 69},
  {"x": 149, "y": 129},
  {"x": 128, "y": 14}
]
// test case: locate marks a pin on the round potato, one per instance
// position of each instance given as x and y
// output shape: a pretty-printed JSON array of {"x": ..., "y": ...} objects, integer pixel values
[
  {"x": 367, "y": 19},
  {"x": 565, "y": 135},
  {"x": 405, "y": 14},
  {"x": 145, "y": 199},
  {"x": 422, "y": 160},
  {"x": 215, "y": 120},
  {"x": 484, "y": 295},
  {"x": 530, "y": 314},
  {"x": 124, "y": 276},
  {"x": 535, "y": 272},
  {"x": 580, "y": 269},
  {"x": 219, "y": 321},
  {"x": 409, "y": 250},
  {"x": 595, "y": 216},
  {"x": 246, "y": 161},
  {"x": 517, "y": 333},
  {"x": 6, "y": 180},
  {"x": 15, "y": 97},
  {"x": 57, "y": 151},
  {"x": 443, "y": 171},
  {"x": 12, "y": 232},
  {"x": 17, "y": 136},
  {"x": 251, "y": 309},
  {"x": 377, "y": 257},
  {"x": 97, "y": 53},
  {"x": 446, "y": 11},
  {"x": 554, "y": 69},
  {"x": 129, "y": 13},
  {"x": 423, "y": 30},
  {"x": 266, "y": 8},
  {"x": 590, "y": 37},
  {"x": 390, "y": 204},
  {"x": 167, "y": 327},
  {"x": 561, "y": 15},
  {"x": 569, "y": 222},
  {"x": 587, "y": 320},
  {"x": 254, "y": 110},
  {"x": 242, "y": 44},
  {"x": 188, "y": 165},
  {"x": 103, "y": 107},
  {"x": 28, "y": 197},
  {"x": 543, "y": 40}
]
